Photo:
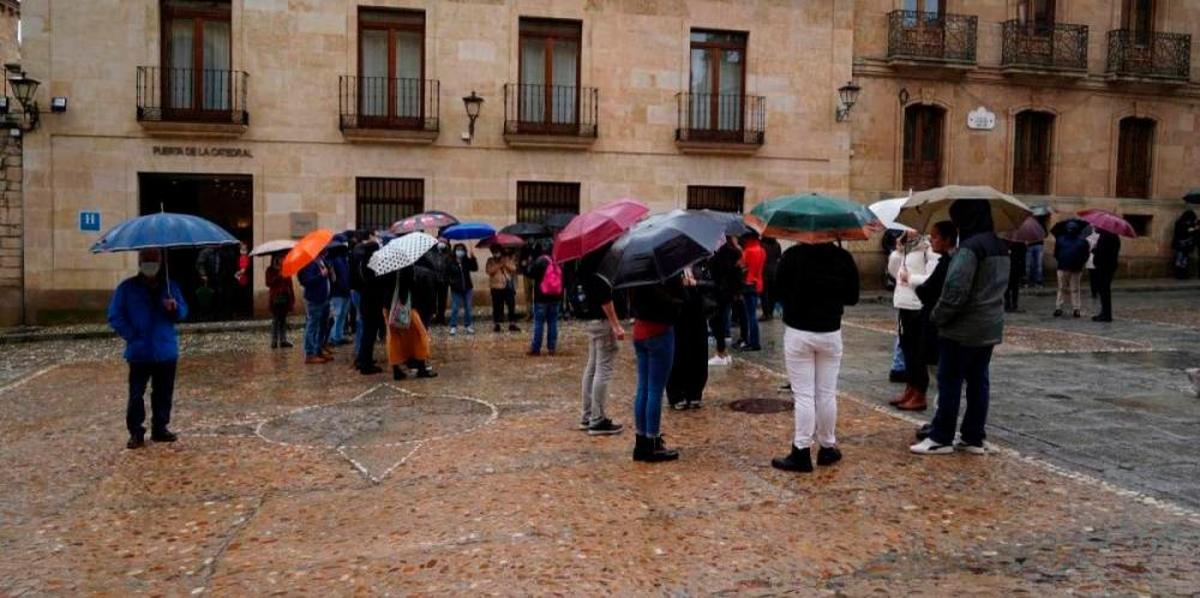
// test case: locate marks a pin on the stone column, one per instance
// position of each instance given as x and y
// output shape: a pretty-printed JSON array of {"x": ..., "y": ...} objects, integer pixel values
[{"x": 12, "y": 274}]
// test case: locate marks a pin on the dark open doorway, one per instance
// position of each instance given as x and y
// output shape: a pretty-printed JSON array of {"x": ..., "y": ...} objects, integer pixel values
[{"x": 208, "y": 277}]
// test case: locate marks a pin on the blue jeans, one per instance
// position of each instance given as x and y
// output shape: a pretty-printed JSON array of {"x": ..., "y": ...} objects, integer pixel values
[
  {"x": 1033, "y": 261},
  {"x": 958, "y": 364},
  {"x": 750, "y": 321},
  {"x": 340, "y": 308},
  {"x": 545, "y": 315},
  {"x": 462, "y": 300},
  {"x": 654, "y": 358},
  {"x": 314, "y": 326},
  {"x": 898, "y": 364}
]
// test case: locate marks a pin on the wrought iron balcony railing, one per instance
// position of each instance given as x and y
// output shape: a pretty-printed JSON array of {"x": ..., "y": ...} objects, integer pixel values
[
  {"x": 1149, "y": 54},
  {"x": 1058, "y": 46},
  {"x": 388, "y": 103},
  {"x": 933, "y": 37},
  {"x": 723, "y": 118},
  {"x": 563, "y": 110},
  {"x": 210, "y": 96}
]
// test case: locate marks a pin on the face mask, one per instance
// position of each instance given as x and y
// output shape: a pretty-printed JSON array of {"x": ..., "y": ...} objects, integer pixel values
[
  {"x": 460, "y": 253},
  {"x": 148, "y": 269},
  {"x": 442, "y": 246}
]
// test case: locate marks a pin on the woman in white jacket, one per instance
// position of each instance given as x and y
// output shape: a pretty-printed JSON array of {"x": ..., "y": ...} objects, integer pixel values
[{"x": 910, "y": 264}]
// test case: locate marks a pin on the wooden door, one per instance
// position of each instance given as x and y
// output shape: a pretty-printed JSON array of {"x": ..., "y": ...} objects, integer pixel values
[
  {"x": 1031, "y": 153},
  {"x": 1134, "y": 157},
  {"x": 923, "y": 147}
]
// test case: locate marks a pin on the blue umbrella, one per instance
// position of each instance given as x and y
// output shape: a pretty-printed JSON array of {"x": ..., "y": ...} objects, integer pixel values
[
  {"x": 468, "y": 230},
  {"x": 163, "y": 230}
]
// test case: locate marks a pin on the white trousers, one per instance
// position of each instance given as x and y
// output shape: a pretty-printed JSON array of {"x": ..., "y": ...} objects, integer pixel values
[{"x": 813, "y": 361}]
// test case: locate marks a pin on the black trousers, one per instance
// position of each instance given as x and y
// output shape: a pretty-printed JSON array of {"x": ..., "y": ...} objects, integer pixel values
[
  {"x": 500, "y": 299},
  {"x": 1103, "y": 282},
  {"x": 769, "y": 298},
  {"x": 689, "y": 371},
  {"x": 911, "y": 329},
  {"x": 720, "y": 323},
  {"x": 439, "y": 313},
  {"x": 161, "y": 376},
  {"x": 278, "y": 326},
  {"x": 372, "y": 321}
]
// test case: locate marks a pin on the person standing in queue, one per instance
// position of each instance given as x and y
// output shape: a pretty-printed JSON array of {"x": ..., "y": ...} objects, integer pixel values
[
  {"x": 143, "y": 311},
  {"x": 339, "y": 289},
  {"x": 501, "y": 269},
  {"x": 655, "y": 311},
  {"x": 727, "y": 277},
  {"x": 281, "y": 298},
  {"x": 910, "y": 264},
  {"x": 315, "y": 279},
  {"x": 818, "y": 281},
  {"x": 459, "y": 267},
  {"x": 370, "y": 307},
  {"x": 1108, "y": 249},
  {"x": 689, "y": 369},
  {"x": 592, "y": 297},
  {"x": 546, "y": 275},
  {"x": 770, "y": 295},
  {"x": 754, "y": 259},
  {"x": 400, "y": 293}
]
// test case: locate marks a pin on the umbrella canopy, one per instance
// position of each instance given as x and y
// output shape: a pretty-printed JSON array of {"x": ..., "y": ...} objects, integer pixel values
[
  {"x": 526, "y": 230},
  {"x": 592, "y": 230},
  {"x": 469, "y": 230},
  {"x": 401, "y": 252},
  {"x": 1193, "y": 196},
  {"x": 660, "y": 247},
  {"x": 887, "y": 211},
  {"x": 430, "y": 220},
  {"x": 1030, "y": 231},
  {"x": 735, "y": 225},
  {"x": 305, "y": 251},
  {"x": 926, "y": 208},
  {"x": 1108, "y": 222},
  {"x": 501, "y": 240},
  {"x": 272, "y": 247},
  {"x": 813, "y": 219},
  {"x": 1060, "y": 228},
  {"x": 162, "y": 230},
  {"x": 558, "y": 220}
]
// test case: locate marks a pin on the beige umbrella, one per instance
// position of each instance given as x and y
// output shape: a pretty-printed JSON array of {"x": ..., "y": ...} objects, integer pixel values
[{"x": 925, "y": 208}]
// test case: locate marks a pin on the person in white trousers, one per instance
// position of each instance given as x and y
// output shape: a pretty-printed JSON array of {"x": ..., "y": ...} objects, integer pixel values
[{"x": 816, "y": 282}]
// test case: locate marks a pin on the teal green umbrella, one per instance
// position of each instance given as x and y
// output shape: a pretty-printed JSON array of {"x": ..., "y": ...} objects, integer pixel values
[
  {"x": 1192, "y": 196},
  {"x": 813, "y": 219}
]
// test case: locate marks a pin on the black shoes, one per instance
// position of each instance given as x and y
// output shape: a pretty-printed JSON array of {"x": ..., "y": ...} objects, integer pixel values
[
  {"x": 369, "y": 370},
  {"x": 606, "y": 427},
  {"x": 897, "y": 377},
  {"x": 1075, "y": 314},
  {"x": 513, "y": 328},
  {"x": 425, "y": 372},
  {"x": 652, "y": 450},
  {"x": 496, "y": 328},
  {"x": 398, "y": 373},
  {"x": 924, "y": 431},
  {"x": 164, "y": 436},
  {"x": 1102, "y": 318},
  {"x": 135, "y": 442},
  {"x": 798, "y": 460},
  {"x": 285, "y": 345},
  {"x": 1058, "y": 313},
  {"x": 828, "y": 455}
]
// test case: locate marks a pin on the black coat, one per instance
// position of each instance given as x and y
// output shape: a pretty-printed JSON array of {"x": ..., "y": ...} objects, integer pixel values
[
  {"x": 458, "y": 273},
  {"x": 1107, "y": 250}
]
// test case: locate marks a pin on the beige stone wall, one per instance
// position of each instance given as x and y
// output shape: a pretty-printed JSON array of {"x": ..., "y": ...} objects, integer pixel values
[
  {"x": 10, "y": 231},
  {"x": 10, "y": 14},
  {"x": 635, "y": 52}
]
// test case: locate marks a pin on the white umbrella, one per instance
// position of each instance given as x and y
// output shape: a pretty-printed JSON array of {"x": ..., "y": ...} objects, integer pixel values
[
  {"x": 276, "y": 246},
  {"x": 401, "y": 252},
  {"x": 927, "y": 207},
  {"x": 887, "y": 211}
]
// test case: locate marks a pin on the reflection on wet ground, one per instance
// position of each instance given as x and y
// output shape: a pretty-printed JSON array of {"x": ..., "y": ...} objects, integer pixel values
[{"x": 293, "y": 478}]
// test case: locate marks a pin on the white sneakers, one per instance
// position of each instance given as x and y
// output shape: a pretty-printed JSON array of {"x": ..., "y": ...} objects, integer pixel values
[
  {"x": 718, "y": 360},
  {"x": 470, "y": 330},
  {"x": 930, "y": 447},
  {"x": 453, "y": 331}
]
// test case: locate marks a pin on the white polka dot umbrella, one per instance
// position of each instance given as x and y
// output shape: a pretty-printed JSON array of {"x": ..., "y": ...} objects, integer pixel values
[{"x": 401, "y": 252}]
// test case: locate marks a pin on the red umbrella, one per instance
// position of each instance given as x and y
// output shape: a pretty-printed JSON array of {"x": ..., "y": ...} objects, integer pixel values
[
  {"x": 501, "y": 240},
  {"x": 1030, "y": 231},
  {"x": 1108, "y": 222},
  {"x": 591, "y": 231}
]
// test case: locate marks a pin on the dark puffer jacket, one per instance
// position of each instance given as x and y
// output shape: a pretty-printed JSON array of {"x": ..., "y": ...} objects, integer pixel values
[
  {"x": 971, "y": 308},
  {"x": 1071, "y": 249}
]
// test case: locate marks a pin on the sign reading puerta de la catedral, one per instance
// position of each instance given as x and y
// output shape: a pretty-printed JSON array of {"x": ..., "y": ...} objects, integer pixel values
[{"x": 202, "y": 151}]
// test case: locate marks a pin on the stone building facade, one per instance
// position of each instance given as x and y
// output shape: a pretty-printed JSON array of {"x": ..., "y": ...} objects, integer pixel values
[
  {"x": 11, "y": 238},
  {"x": 274, "y": 116}
]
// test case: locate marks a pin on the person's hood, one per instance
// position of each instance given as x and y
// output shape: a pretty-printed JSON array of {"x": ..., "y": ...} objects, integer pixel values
[
  {"x": 971, "y": 216},
  {"x": 1073, "y": 228}
]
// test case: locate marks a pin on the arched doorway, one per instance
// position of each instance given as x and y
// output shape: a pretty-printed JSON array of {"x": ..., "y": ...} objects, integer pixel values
[
  {"x": 1032, "y": 147},
  {"x": 923, "y": 147}
]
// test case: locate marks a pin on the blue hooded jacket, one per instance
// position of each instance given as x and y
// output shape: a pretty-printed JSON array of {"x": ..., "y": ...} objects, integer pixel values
[
  {"x": 137, "y": 315},
  {"x": 316, "y": 287}
]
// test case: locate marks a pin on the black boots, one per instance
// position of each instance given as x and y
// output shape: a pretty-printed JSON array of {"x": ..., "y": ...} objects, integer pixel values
[
  {"x": 652, "y": 450},
  {"x": 828, "y": 455},
  {"x": 398, "y": 373},
  {"x": 799, "y": 460}
]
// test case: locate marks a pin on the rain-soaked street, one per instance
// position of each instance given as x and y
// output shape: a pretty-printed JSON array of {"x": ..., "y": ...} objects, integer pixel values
[{"x": 314, "y": 479}]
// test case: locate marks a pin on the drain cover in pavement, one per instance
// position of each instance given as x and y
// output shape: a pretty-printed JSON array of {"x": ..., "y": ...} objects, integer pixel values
[{"x": 761, "y": 406}]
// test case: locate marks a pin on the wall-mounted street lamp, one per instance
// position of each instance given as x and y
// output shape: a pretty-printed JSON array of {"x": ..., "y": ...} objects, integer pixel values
[
  {"x": 472, "y": 103},
  {"x": 849, "y": 96},
  {"x": 24, "y": 90},
  {"x": 903, "y": 96}
]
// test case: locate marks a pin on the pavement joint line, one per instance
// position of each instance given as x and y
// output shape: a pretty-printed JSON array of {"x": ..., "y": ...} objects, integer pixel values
[
  {"x": 1164, "y": 505},
  {"x": 21, "y": 382}
]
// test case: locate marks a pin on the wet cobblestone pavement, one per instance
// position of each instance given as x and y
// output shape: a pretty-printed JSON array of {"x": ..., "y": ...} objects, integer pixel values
[{"x": 313, "y": 479}]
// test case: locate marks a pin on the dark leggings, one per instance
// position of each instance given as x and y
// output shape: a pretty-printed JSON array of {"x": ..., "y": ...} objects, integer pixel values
[
  {"x": 911, "y": 329},
  {"x": 500, "y": 299},
  {"x": 689, "y": 371},
  {"x": 279, "y": 326}
]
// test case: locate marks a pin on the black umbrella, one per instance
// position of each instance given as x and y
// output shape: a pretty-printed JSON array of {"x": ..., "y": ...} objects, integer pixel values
[
  {"x": 735, "y": 226},
  {"x": 1085, "y": 229},
  {"x": 558, "y": 221},
  {"x": 526, "y": 229},
  {"x": 660, "y": 247},
  {"x": 1193, "y": 196}
]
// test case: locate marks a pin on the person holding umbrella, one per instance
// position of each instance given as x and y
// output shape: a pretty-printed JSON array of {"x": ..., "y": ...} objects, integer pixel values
[
  {"x": 397, "y": 288},
  {"x": 143, "y": 312},
  {"x": 462, "y": 263},
  {"x": 1105, "y": 255},
  {"x": 911, "y": 263},
  {"x": 281, "y": 300},
  {"x": 1071, "y": 253},
  {"x": 547, "y": 281}
]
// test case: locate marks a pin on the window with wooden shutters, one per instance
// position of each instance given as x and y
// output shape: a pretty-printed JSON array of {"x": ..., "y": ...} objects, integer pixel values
[
  {"x": 721, "y": 199},
  {"x": 380, "y": 201},
  {"x": 537, "y": 200},
  {"x": 1031, "y": 153},
  {"x": 922, "y": 147},
  {"x": 1134, "y": 157},
  {"x": 391, "y": 65},
  {"x": 197, "y": 82},
  {"x": 549, "y": 71}
]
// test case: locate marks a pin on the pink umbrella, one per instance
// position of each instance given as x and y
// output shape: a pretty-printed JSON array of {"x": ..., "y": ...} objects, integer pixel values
[
  {"x": 427, "y": 221},
  {"x": 1108, "y": 222},
  {"x": 591, "y": 231},
  {"x": 501, "y": 240},
  {"x": 1030, "y": 231}
]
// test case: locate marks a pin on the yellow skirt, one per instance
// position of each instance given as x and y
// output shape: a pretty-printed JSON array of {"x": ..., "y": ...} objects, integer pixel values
[{"x": 412, "y": 343}]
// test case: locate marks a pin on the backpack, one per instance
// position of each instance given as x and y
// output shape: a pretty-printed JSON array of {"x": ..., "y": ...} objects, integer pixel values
[{"x": 552, "y": 280}]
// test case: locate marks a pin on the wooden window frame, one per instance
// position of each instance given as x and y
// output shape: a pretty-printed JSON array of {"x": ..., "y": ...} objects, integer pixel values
[
  {"x": 1122, "y": 184},
  {"x": 713, "y": 128},
  {"x": 1022, "y": 148},
  {"x": 391, "y": 119},
  {"x": 548, "y": 31},
  {"x": 199, "y": 11},
  {"x": 939, "y": 135},
  {"x": 1129, "y": 21},
  {"x": 526, "y": 188}
]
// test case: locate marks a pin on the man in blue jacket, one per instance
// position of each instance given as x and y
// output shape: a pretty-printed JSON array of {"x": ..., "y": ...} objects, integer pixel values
[
  {"x": 315, "y": 279},
  {"x": 143, "y": 311}
]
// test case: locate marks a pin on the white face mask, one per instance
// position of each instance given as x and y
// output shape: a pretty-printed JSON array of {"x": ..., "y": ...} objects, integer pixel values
[
  {"x": 460, "y": 253},
  {"x": 148, "y": 269}
]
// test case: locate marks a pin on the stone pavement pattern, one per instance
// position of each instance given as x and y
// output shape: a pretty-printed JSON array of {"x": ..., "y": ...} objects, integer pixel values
[{"x": 318, "y": 480}]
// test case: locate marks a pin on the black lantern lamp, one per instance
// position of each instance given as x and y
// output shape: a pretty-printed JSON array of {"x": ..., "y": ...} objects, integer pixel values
[
  {"x": 24, "y": 90},
  {"x": 849, "y": 96},
  {"x": 472, "y": 103}
]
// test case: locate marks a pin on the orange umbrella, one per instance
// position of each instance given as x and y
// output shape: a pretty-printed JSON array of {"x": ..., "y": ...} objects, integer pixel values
[{"x": 305, "y": 251}]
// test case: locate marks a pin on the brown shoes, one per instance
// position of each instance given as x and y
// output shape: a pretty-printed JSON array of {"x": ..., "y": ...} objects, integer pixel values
[
  {"x": 315, "y": 359},
  {"x": 902, "y": 397},
  {"x": 916, "y": 402}
]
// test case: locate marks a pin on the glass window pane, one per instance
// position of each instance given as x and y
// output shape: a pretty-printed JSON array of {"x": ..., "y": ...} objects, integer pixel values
[
  {"x": 409, "y": 53},
  {"x": 564, "y": 57},
  {"x": 217, "y": 78},
  {"x": 701, "y": 89},
  {"x": 179, "y": 80},
  {"x": 373, "y": 84},
  {"x": 532, "y": 98},
  {"x": 731, "y": 90}
]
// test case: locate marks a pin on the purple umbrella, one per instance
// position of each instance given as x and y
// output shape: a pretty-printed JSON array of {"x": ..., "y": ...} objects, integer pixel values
[{"x": 1030, "y": 231}]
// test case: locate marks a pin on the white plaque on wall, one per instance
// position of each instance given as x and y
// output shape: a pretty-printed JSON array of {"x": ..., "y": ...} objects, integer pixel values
[{"x": 981, "y": 119}]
